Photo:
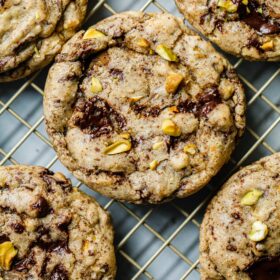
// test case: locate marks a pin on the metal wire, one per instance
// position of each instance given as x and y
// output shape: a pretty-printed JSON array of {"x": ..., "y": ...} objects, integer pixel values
[{"x": 141, "y": 221}]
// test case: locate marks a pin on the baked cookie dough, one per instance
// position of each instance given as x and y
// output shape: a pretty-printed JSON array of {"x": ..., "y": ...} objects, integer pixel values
[
  {"x": 246, "y": 28},
  {"x": 32, "y": 32},
  {"x": 141, "y": 109},
  {"x": 50, "y": 230},
  {"x": 240, "y": 231}
]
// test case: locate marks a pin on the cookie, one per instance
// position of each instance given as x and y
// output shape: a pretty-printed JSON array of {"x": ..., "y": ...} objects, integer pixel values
[
  {"x": 50, "y": 230},
  {"x": 141, "y": 109},
  {"x": 240, "y": 231},
  {"x": 32, "y": 32},
  {"x": 247, "y": 28}
]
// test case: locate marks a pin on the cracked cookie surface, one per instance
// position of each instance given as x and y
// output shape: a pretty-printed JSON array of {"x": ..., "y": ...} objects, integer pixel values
[
  {"x": 141, "y": 109},
  {"x": 50, "y": 230},
  {"x": 32, "y": 32},
  {"x": 240, "y": 232},
  {"x": 246, "y": 28}
]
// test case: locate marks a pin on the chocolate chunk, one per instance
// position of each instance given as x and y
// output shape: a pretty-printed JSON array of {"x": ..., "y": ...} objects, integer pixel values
[
  {"x": 63, "y": 226},
  {"x": 46, "y": 172},
  {"x": 97, "y": 117},
  {"x": 255, "y": 43},
  {"x": 42, "y": 207},
  {"x": 4, "y": 238},
  {"x": 231, "y": 248},
  {"x": 42, "y": 230},
  {"x": 219, "y": 25},
  {"x": 205, "y": 104},
  {"x": 236, "y": 216},
  {"x": 47, "y": 177},
  {"x": 117, "y": 73},
  {"x": 18, "y": 228},
  {"x": 171, "y": 144},
  {"x": 59, "y": 246},
  {"x": 2, "y": 2},
  {"x": 59, "y": 273},
  {"x": 26, "y": 263},
  {"x": 44, "y": 266},
  {"x": 267, "y": 268},
  {"x": 50, "y": 179}
]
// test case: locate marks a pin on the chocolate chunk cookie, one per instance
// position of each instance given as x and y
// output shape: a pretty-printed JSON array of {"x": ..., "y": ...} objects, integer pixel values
[
  {"x": 141, "y": 109},
  {"x": 32, "y": 32},
  {"x": 50, "y": 230},
  {"x": 246, "y": 28},
  {"x": 240, "y": 231}
]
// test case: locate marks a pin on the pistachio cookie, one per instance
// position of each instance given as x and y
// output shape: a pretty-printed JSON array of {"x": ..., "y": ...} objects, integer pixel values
[
  {"x": 32, "y": 32},
  {"x": 141, "y": 109},
  {"x": 246, "y": 28},
  {"x": 50, "y": 230},
  {"x": 240, "y": 231}
]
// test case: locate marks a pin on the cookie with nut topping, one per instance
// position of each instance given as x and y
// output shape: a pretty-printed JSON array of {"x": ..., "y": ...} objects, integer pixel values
[
  {"x": 246, "y": 28},
  {"x": 141, "y": 109},
  {"x": 33, "y": 32},
  {"x": 239, "y": 237},
  {"x": 50, "y": 230}
]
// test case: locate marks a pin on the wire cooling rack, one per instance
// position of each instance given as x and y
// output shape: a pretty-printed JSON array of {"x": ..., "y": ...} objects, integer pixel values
[{"x": 159, "y": 242}]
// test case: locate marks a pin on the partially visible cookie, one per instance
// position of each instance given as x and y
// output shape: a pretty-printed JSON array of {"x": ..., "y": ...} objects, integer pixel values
[
  {"x": 241, "y": 228},
  {"x": 247, "y": 28},
  {"x": 32, "y": 32},
  {"x": 50, "y": 230},
  {"x": 141, "y": 109}
]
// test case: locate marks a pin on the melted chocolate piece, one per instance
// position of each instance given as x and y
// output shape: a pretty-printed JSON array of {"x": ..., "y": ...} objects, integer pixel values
[
  {"x": 145, "y": 111},
  {"x": 60, "y": 246},
  {"x": 98, "y": 117},
  {"x": 258, "y": 21},
  {"x": 42, "y": 207},
  {"x": 52, "y": 246},
  {"x": 59, "y": 273},
  {"x": 205, "y": 104},
  {"x": 267, "y": 268},
  {"x": 2, "y": 2}
]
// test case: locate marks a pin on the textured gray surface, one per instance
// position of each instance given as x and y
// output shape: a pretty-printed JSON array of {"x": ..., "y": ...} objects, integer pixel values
[{"x": 145, "y": 234}]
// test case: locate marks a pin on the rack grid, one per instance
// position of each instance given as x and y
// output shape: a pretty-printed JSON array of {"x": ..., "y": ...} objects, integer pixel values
[{"x": 152, "y": 242}]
